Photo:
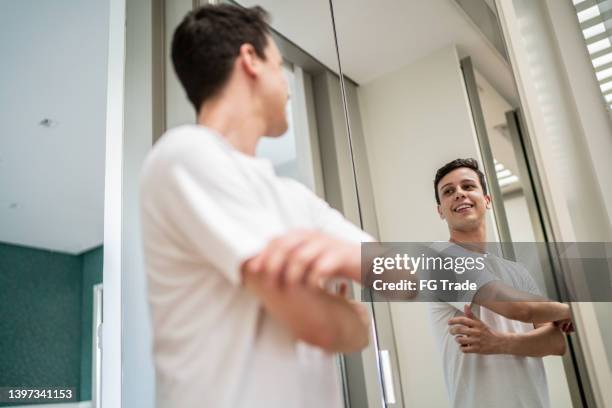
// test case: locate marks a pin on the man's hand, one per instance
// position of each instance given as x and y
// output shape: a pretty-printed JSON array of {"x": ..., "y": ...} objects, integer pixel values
[
  {"x": 306, "y": 257},
  {"x": 474, "y": 336},
  {"x": 566, "y": 325}
]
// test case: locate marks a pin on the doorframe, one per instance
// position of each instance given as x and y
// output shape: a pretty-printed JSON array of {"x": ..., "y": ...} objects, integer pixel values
[
  {"x": 113, "y": 188},
  {"x": 573, "y": 361}
]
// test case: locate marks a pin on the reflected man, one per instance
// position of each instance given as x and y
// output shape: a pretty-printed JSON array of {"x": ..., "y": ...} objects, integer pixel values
[{"x": 491, "y": 350}]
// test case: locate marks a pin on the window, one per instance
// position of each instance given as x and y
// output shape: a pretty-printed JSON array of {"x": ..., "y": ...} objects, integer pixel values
[{"x": 595, "y": 19}]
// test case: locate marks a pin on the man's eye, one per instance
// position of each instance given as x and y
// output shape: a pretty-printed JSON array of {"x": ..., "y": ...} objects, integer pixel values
[{"x": 447, "y": 192}]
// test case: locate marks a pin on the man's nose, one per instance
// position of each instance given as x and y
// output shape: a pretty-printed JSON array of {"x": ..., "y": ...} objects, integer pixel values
[{"x": 459, "y": 194}]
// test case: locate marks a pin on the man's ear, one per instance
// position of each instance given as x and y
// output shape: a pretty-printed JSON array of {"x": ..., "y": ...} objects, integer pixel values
[
  {"x": 488, "y": 200},
  {"x": 440, "y": 212},
  {"x": 248, "y": 60}
]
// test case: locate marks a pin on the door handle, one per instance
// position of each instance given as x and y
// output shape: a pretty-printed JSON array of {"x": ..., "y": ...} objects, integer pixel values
[{"x": 387, "y": 376}]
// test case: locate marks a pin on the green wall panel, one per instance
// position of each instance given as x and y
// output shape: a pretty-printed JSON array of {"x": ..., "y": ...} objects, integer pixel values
[
  {"x": 40, "y": 318},
  {"x": 46, "y": 307}
]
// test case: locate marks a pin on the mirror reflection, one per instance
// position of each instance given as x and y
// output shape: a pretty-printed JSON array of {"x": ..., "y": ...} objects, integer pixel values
[{"x": 438, "y": 88}]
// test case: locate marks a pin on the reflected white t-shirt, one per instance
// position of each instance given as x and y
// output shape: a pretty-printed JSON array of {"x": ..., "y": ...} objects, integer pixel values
[
  {"x": 483, "y": 381},
  {"x": 205, "y": 208}
]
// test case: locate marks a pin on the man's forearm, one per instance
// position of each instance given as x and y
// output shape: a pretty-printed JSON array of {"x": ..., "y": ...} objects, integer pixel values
[
  {"x": 542, "y": 312},
  {"x": 517, "y": 305},
  {"x": 545, "y": 340},
  {"x": 314, "y": 316},
  {"x": 349, "y": 323}
]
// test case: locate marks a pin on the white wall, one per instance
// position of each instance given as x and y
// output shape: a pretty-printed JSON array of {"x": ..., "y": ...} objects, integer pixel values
[
  {"x": 415, "y": 120},
  {"x": 518, "y": 217}
]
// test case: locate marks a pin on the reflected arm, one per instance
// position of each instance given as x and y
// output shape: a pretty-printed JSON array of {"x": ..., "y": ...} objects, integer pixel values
[{"x": 517, "y": 305}]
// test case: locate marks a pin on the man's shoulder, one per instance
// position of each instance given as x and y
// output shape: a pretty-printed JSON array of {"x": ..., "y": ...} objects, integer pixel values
[
  {"x": 182, "y": 141},
  {"x": 295, "y": 186},
  {"x": 187, "y": 145}
]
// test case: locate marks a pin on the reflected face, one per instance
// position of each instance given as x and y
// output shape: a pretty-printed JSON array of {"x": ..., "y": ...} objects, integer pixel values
[
  {"x": 274, "y": 90},
  {"x": 463, "y": 203}
]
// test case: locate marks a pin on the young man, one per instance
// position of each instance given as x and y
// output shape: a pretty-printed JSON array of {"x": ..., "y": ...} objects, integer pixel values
[
  {"x": 233, "y": 253},
  {"x": 491, "y": 351}
]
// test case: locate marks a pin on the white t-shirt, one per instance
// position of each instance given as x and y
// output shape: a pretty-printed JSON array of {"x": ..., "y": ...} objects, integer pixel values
[
  {"x": 206, "y": 208},
  {"x": 500, "y": 381}
]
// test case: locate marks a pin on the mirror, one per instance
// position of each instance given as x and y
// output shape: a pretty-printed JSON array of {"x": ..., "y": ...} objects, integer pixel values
[
  {"x": 427, "y": 83},
  {"x": 52, "y": 154}
]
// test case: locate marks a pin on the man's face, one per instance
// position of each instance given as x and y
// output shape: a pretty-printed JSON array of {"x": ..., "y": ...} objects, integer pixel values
[
  {"x": 463, "y": 203},
  {"x": 274, "y": 90}
]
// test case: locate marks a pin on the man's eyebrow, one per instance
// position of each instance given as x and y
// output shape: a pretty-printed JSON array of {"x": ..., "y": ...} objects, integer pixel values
[{"x": 462, "y": 180}]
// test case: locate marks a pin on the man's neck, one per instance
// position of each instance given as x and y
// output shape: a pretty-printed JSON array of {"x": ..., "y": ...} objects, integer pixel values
[
  {"x": 234, "y": 122},
  {"x": 475, "y": 239}
]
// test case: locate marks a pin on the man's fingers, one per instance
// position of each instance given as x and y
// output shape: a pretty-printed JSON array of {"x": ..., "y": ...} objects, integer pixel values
[
  {"x": 460, "y": 329},
  {"x": 322, "y": 269},
  {"x": 464, "y": 340},
  {"x": 467, "y": 309},
  {"x": 301, "y": 258},
  {"x": 275, "y": 255},
  {"x": 568, "y": 327},
  {"x": 469, "y": 349},
  {"x": 252, "y": 265},
  {"x": 466, "y": 321}
]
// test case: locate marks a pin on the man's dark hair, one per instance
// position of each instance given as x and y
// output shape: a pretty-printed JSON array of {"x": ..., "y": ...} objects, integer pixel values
[
  {"x": 207, "y": 42},
  {"x": 457, "y": 164}
]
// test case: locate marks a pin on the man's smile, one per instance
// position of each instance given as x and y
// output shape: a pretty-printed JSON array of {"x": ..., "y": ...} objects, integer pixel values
[{"x": 461, "y": 208}]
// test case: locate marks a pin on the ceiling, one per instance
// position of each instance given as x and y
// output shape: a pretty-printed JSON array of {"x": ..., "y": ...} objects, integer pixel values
[
  {"x": 52, "y": 177},
  {"x": 378, "y": 37}
]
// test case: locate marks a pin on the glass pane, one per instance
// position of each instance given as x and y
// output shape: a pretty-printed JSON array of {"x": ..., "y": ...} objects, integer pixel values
[
  {"x": 281, "y": 151},
  {"x": 520, "y": 209},
  {"x": 310, "y": 60}
]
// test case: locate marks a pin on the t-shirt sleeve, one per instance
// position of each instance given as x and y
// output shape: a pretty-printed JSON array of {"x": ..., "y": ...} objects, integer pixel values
[
  {"x": 474, "y": 278},
  {"x": 463, "y": 297},
  {"x": 330, "y": 220},
  {"x": 210, "y": 213},
  {"x": 528, "y": 284}
]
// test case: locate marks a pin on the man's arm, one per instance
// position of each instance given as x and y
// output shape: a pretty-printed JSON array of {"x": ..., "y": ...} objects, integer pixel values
[
  {"x": 474, "y": 336},
  {"x": 545, "y": 339},
  {"x": 277, "y": 275},
  {"x": 313, "y": 315},
  {"x": 517, "y": 305}
]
